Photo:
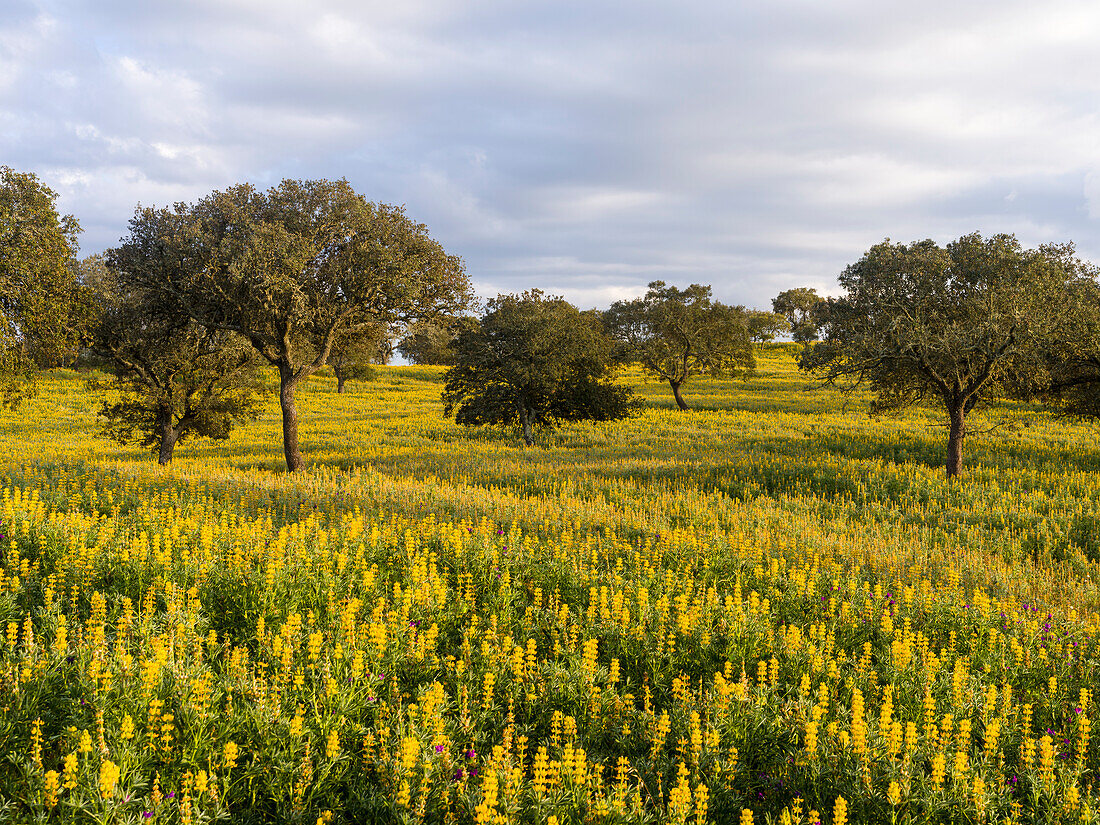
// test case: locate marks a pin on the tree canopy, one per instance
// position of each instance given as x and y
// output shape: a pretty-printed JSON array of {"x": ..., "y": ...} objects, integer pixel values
[
  {"x": 765, "y": 326},
  {"x": 171, "y": 377},
  {"x": 799, "y": 307},
  {"x": 676, "y": 333},
  {"x": 290, "y": 269},
  {"x": 962, "y": 324},
  {"x": 533, "y": 361},
  {"x": 430, "y": 341},
  {"x": 353, "y": 352},
  {"x": 38, "y": 284}
]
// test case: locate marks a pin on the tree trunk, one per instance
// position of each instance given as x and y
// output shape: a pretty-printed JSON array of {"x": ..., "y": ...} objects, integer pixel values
[
  {"x": 341, "y": 377},
  {"x": 168, "y": 436},
  {"x": 528, "y": 430},
  {"x": 287, "y": 385},
  {"x": 676, "y": 394},
  {"x": 955, "y": 439}
]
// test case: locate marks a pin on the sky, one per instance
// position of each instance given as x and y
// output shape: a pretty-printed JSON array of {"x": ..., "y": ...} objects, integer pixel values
[{"x": 584, "y": 147}]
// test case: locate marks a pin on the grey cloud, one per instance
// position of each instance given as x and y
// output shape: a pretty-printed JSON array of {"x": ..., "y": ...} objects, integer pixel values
[{"x": 583, "y": 147}]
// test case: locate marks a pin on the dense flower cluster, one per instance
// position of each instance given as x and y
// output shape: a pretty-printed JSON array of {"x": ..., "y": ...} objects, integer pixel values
[{"x": 593, "y": 642}]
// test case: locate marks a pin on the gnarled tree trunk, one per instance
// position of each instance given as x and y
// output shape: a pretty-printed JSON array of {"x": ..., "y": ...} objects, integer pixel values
[
  {"x": 957, "y": 433},
  {"x": 288, "y": 383},
  {"x": 168, "y": 435},
  {"x": 525, "y": 424},
  {"x": 676, "y": 394},
  {"x": 341, "y": 377}
]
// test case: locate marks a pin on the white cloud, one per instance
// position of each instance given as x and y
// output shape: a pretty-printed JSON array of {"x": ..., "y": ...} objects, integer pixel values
[{"x": 569, "y": 146}]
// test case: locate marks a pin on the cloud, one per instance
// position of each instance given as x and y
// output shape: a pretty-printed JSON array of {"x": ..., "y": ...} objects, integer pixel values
[{"x": 586, "y": 148}]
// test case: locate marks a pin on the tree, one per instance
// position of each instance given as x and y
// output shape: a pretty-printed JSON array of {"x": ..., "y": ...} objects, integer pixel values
[
  {"x": 533, "y": 361},
  {"x": 676, "y": 333},
  {"x": 172, "y": 377},
  {"x": 798, "y": 306},
  {"x": 963, "y": 324},
  {"x": 429, "y": 341},
  {"x": 1072, "y": 381},
  {"x": 37, "y": 266},
  {"x": 353, "y": 352},
  {"x": 290, "y": 269},
  {"x": 765, "y": 326}
]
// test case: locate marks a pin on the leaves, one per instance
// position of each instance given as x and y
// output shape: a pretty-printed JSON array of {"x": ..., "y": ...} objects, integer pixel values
[
  {"x": 532, "y": 361},
  {"x": 676, "y": 333}
]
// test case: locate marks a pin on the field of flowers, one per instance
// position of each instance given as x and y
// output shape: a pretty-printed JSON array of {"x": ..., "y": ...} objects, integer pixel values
[{"x": 769, "y": 609}]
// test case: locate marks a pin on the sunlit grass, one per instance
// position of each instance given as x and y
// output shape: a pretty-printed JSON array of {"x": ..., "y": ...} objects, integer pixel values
[{"x": 668, "y": 618}]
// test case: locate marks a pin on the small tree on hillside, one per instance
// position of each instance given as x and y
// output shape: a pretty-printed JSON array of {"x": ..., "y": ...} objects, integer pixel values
[
  {"x": 533, "y": 361},
  {"x": 172, "y": 378},
  {"x": 430, "y": 341},
  {"x": 765, "y": 326},
  {"x": 290, "y": 269},
  {"x": 799, "y": 307},
  {"x": 961, "y": 324},
  {"x": 677, "y": 333},
  {"x": 353, "y": 353}
]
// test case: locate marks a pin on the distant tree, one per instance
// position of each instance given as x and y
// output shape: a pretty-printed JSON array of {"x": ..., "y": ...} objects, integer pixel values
[
  {"x": 290, "y": 269},
  {"x": 799, "y": 306},
  {"x": 171, "y": 377},
  {"x": 533, "y": 361},
  {"x": 37, "y": 279},
  {"x": 962, "y": 324},
  {"x": 765, "y": 326},
  {"x": 352, "y": 354},
  {"x": 429, "y": 341},
  {"x": 677, "y": 333}
]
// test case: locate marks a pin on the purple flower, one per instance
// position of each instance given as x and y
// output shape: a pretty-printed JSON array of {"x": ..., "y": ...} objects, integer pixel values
[
  {"x": 439, "y": 749},
  {"x": 147, "y": 814},
  {"x": 170, "y": 795},
  {"x": 471, "y": 754},
  {"x": 459, "y": 774}
]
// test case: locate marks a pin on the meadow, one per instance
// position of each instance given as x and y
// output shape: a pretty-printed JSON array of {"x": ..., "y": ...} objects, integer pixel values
[{"x": 769, "y": 609}]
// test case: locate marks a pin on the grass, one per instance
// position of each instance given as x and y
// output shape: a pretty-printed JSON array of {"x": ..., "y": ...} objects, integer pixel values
[{"x": 771, "y": 606}]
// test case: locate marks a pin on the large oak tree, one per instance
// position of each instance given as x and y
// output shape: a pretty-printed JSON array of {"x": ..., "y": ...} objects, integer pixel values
[
  {"x": 292, "y": 268},
  {"x": 960, "y": 324}
]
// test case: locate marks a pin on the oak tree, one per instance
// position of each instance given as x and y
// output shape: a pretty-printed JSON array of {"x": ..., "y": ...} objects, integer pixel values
[
  {"x": 799, "y": 306},
  {"x": 353, "y": 353},
  {"x": 677, "y": 333},
  {"x": 290, "y": 269},
  {"x": 532, "y": 361},
  {"x": 37, "y": 279},
  {"x": 961, "y": 324},
  {"x": 170, "y": 378},
  {"x": 765, "y": 326}
]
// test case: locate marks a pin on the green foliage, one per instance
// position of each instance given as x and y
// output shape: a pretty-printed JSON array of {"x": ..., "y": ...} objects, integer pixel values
[
  {"x": 172, "y": 378},
  {"x": 291, "y": 269},
  {"x": 39, "y": 291},
  {"x": 532, "y": 361},
  {"x": 799, "y": 306},
  {"x": 353, "y": 351},
  {"x": 765, "y": 327},
  {"x": 431, "y": 340},
  {"x": 676, "y": 333},
  {"x": 963, "y": 324}
]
